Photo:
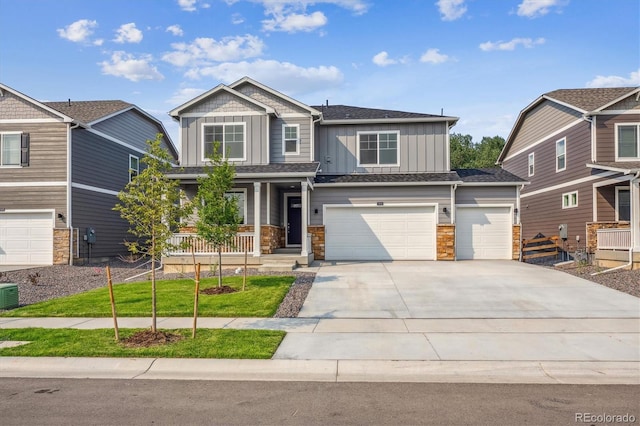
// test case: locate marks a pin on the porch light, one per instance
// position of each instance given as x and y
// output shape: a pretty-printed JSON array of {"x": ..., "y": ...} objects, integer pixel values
[{"x": 444, "y": 210}]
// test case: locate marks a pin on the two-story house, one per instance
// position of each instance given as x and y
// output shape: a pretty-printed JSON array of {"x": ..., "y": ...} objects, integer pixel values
[
  {"x": 340, "y": 182},
  {"x": 580, "y": 149},
  {"x": 62, "y": 165}
]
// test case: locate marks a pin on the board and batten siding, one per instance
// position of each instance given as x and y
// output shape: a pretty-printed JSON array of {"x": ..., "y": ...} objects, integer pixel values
[
  {"x": 304, "y": 128},
  {"x": 544, "y": 119},
  {"x": 606, "y": 134},
  {"x": 388, "y": 195},
  {"x": 132, "y": 128},
  {"x": 256, "y": 138},
  {"x": 423, "y": 147}
]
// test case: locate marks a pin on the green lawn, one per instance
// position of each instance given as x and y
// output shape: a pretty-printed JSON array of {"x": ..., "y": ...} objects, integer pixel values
[
  {"x": 261, "y": 298},
  {"x": 216, "y": 343}
]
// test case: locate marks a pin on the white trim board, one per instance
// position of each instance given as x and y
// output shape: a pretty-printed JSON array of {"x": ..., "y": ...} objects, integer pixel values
[
  {"x": 544, "y": 139},
  {"x": 93, "y": 188},
  {"x": 30, "y": 184}
]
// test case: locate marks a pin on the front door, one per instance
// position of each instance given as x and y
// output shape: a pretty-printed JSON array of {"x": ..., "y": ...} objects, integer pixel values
[{"x": 294, "y": 221}]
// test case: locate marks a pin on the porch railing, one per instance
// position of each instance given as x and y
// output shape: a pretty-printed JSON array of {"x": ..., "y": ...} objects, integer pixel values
[
  {"x": 242, "y": 241},
  {"x": 614, "y": 239}
]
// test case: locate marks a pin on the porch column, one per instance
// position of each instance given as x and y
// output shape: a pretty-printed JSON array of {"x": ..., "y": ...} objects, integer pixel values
[
  {"x": 256, "y": 218},
  {"x": 304, "y": 192},
  {"x": 634, "y": 193}
]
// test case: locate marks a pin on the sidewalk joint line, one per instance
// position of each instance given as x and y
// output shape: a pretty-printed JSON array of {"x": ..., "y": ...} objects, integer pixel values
[
  {"x": 147, "y": 370},
  {"x": 432, "y": 347}
]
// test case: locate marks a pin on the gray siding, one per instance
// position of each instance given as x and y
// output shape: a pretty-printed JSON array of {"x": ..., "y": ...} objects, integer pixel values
[
  {"x": 92, "y": 209},
  {"x": 632, "y": 102},
  {"x": 279, "y": 104},
  {"x": 36, "y": 198},
  {"x": 256, "y": 136},
  {"x": 277, "y": 141},
  {"x": 423, "y": 148},
  {"x": 486, "y": 195},
  {"x": 546, "y": 118},
  {"x": 130, "y": 127},
  {"x": 606, "y": 134},
  {"x": 363, "y": 195}
]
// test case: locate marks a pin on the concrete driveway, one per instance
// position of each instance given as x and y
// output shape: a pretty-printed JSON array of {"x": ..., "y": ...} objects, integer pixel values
[{"x": 464, "y": 289}]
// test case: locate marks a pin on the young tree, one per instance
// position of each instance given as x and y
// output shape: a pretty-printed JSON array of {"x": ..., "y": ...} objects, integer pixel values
[
  {"x": 218, "y": 213},
  {"x": 153, "y": 204}
]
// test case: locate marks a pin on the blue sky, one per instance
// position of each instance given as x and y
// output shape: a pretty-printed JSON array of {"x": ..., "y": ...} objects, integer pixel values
[{"x": 480, "y": 60}]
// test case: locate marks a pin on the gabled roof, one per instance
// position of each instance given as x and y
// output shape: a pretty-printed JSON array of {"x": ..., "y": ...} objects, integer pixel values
[
  {"x": 333, "y": 114},
  {"x": 584, "y": 101},
  {"x": 63, "y": 117},
  {"x": 493, "y": 175},
  {"x": 90, "y": 111},
  {"x": 251, "y": 81},
  {"x": 219, "y": 88}
]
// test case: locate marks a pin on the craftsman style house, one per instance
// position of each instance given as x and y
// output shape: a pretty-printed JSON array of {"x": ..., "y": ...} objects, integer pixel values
[
  {"x": 340, "y": 182},
  {"x": 580, "y": 149},
  {"x": 61, "y": 167}
]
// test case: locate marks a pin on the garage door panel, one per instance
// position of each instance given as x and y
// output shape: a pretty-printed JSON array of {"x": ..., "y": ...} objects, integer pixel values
[
  {"x": 483, "y": 233},
  {"x": 26, "y": 238},
  {"x": 380, "y": 233}
]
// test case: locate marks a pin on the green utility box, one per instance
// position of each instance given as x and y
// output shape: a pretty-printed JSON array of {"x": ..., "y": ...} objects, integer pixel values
[{"x": 8, "y": 296}]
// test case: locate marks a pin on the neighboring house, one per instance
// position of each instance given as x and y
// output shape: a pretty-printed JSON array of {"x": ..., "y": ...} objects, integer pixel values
[
  {"x": 580, "y": 149},
  {"x": 61, "y": 167},
  {"x": 339, "y": 182}
]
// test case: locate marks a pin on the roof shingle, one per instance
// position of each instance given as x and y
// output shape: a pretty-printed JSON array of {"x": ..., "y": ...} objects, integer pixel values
[
  {"x": 346, "y": 112},
  {"x": 589, "y": 99},
  {"x": 89, "y": 111}
]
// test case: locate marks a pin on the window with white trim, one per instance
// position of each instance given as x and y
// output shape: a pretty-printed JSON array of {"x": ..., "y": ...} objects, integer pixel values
[
  {"x": 290, "y": 139},
  {"x": 561, "y": 155},
  {"x": 230, "y": 138},
  {"x": 531, "y": 165},
  {"x": 134, "y": 166},
  {"x": 570, "y": 200},
  {"x": 10, "y": 149},
  {"x": 623, "y": 203},
  {"x": 378, "y": 148},
  {"x": 241, "y": 198},
  {"x": 627, "y": 141}
]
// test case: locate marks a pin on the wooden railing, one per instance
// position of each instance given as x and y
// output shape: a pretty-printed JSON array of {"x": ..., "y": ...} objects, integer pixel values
[
  {"x": 184, "y": 241},
  {"x": 540, "y": 247},
  {"x": 614, "y": 239}
]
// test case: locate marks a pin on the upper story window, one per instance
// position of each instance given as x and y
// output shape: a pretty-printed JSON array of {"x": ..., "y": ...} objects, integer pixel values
[
  {"x": 230, "y": 138},
  {"x": 134, "y": 166},
  {"x": 290, "y": 139},
  {"x": 623, "y": 203},
  {"x": 531, "y": 166},
  {"x": 10, "y": 149},
  {"x": 627, "y": 141},
  {"x": 378, "y": 148},
  {"x": 569, "y": 200},
  {"x": 561, "y": 155}
]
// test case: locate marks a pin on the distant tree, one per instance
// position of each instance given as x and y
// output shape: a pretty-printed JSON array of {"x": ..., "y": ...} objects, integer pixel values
[
  {"x": 153, "y": 204},
  {"x": 467, "y": 155},
  {"x": 218, "y": 213}
]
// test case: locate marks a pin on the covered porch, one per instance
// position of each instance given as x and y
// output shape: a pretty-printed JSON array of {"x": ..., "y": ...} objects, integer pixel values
[
  {"x": 274, "y": 233},
  {"x": 614, "y": 235}
]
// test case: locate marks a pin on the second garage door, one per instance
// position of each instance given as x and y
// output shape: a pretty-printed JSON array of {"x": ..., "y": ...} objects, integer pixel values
[
  {"x": 380, "y": 233},
  {"x": 26, "y": 238},
  {"x": 483, "y": 233}
]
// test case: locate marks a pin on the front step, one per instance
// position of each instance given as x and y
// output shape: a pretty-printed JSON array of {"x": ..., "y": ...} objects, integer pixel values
[{"x": 279, "y": 266}]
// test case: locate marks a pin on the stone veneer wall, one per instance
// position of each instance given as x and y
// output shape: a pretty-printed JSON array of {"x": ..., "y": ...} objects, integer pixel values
[
  {"x": 516, "y": 243},
  {"x": 317, "y": 241},
  {"x": 61, "y": 246},
  {"x": 592, "y": 232},
  {"x": 270, "y": 238},
  {"x": 446, "y": 242}
]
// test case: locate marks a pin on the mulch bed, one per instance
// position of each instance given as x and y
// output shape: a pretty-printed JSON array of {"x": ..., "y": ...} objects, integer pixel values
[
  {"x": 146, "y": 338},
  {"x": 225, "y": 289}
]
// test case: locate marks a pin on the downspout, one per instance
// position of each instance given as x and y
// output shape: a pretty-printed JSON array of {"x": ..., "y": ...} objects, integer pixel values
[
  {"x": 70, "y": 129},
  {"x": 630, "y": 263},
  {"x": 592, "y": 121},
  {"x": 453, "y": 219},
  {"x": 313, "y": 137}
]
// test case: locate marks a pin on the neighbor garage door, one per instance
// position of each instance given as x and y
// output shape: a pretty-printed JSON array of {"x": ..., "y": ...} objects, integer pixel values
[
  {"x": 483, "y": 233},
  {"x": 26, "y": 238},
  {"x": 380, "y": 233}
]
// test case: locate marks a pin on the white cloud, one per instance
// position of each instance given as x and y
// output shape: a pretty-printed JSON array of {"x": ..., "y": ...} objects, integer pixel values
[
  {"x": 434, "y": 56},
  {"x": 126, "y": 65},
  {"x": 616, "y": 81},
  {"x": 207, "y": 50},
  {"x": 287, "y": 77},
  {"x": 79, "y": 31},
  {"x": 536, "y": 8},
  {"x": 451, "y": 9},
  {"x": 192, "y": 5},
  {"x": 128, "y": 33},
  {"x": 185, "y": 94},
  {"x": 295, "y": 22},
  {"x": 382, "y": 59},
  {"x": 511, "y": 45},
  {"x": 237, "y": 19},
  {"x": 175, "y": 30}
]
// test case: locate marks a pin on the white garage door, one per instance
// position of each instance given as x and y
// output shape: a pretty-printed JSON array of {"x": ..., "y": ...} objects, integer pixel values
[
  {"x": 380, "y": 233},
  {"x": 483, "y": 233},
  {"x": 26, "y": 238}
]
